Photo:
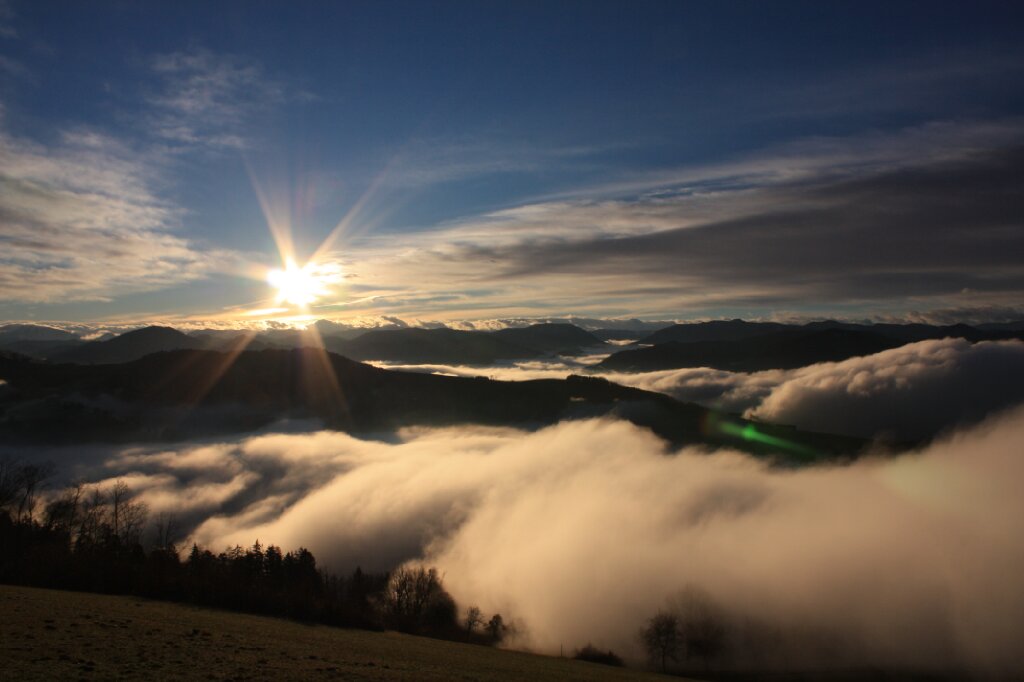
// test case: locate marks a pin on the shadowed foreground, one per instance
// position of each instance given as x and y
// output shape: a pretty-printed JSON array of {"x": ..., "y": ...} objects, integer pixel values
[{"x": 48, "y": 634}]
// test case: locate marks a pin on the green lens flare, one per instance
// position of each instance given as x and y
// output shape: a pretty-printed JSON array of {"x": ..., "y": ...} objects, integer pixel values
[{"x": 750, "y": 432}]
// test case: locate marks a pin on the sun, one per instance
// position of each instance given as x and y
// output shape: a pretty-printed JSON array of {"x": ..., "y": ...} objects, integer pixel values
[{"x": 298, "y": 286}]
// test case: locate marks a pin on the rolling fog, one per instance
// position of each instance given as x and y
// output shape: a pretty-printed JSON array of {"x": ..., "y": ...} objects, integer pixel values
[
  {"x": 581, "y": 531},
  {"x": 907, "y": 393}
]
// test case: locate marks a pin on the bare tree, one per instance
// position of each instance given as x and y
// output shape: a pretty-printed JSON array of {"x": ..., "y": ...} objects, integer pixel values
[
  {"x": 133, "y": 520},
  {"x": 31, "y": 480},
  {"x": 10, "y": 481},
  {"x": 407, "y": 594},
  {"x": 415, "y": 600},
  {"x": 93, "y": 518},
  {"x": 62, "y": 514},
  {"x": 702, "y": 624},
  {"x": 661, "y": 638},
  {"x": 166, "y": 530},
  {"x": 127, "y": 516},
  {"x": 473, "y": 618},
  {"x": 118, "y": 497}
]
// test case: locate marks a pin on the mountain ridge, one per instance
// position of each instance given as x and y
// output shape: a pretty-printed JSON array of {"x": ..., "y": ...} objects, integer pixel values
[
  {"x": 184, "y": 393},
  {"x": 740, "y": 346}
]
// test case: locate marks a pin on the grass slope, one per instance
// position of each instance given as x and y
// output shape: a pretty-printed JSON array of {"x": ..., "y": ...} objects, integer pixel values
[{"x": 47, "y": 634}]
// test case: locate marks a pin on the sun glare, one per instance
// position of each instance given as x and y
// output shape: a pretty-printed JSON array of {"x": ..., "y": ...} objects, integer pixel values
[{"x": 295, "y": 285}]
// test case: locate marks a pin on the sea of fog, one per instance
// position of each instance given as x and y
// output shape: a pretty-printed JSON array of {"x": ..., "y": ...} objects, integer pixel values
[
  {"x": 907, "y": 393},
  {"x": 582, "y": 531}
]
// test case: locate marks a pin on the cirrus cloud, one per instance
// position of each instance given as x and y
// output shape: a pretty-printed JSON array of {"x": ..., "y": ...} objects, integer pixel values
[
  {"x": 207, "y": 98},
  {"x": 927, "y": 217},
  {"x": 79, "y": 220}
]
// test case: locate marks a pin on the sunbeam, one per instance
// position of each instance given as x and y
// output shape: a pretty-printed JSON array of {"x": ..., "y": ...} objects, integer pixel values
[
  {"x": 345, "y": 226},
  {"x": 278, "y": 218}
]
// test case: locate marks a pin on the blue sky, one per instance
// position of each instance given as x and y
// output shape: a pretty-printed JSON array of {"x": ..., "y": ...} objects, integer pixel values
[{"x": 505, "y": 160}]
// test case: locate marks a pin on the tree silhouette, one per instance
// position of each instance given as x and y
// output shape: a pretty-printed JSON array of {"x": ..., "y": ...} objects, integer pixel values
[
  {"x": 416, "y": 601},
  {"x": 496, "y": 628},
  {"x": 473, "y": 618},
  {"x": 702, "y": 624},
  {"x": 661, "y": 638},
  {"x": 166, "y": 531},
  {"x": 592, "y": 654},
  {"x": 90, "y": 538}
]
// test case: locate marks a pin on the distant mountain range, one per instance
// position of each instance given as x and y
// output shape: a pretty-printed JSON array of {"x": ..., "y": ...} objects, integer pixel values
[
  {"x": 564, "y": 339},
  {"x": 717, "y": 330},
  {"x": 187, "y": 393},
  {"x": 33, "y": 332},
  {"x": 158, "y": 383},
  {"x": 430, "y": 345},
  {"x": 724, "y": 344},
  {"x": 142, "y": 342},
  {"x": 36, "y": 340},
  {"x": 128, "y": 346},
  {"x": 399, "y": 344},
  {"x": 735, "y": 330},
  {"x": 740, "y": 346},
  {"x": 787, "y": 349}
]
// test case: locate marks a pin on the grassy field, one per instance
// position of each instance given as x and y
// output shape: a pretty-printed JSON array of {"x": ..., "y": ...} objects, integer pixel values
[{"x": 46, "y": 634}]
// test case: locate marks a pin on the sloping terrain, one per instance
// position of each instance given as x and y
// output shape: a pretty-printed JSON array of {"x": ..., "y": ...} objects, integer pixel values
[
  {"x": 430, "y": 345},
  {"x": 184, "y": 394},
  {"x": 36, "y": 340},
  {"x": 142, "y": 342},
  {"x": 129, "y": 346},
  {"x": 33, "y": 332},
  {"x": 41, "y": 349},
  {"x": 552, "y": 338},
  {"x": 51, "y": 635},
  {"x": 715, "y": 330}
]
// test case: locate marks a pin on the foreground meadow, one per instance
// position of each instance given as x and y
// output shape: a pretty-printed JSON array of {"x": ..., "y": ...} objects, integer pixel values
[{"x": 47, "y": 634}]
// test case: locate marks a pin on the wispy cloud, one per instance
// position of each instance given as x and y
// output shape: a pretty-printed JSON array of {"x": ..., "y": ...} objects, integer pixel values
[
  {"x": 14, "y": 69},
  {"x": 978, "y": 314},
  {"x": 210, "y": 99},
  {"x": 79, "y": 221},
  {"x": 85, "y": 217},
  {"x": 441, "y": 159},
  {"x": 926, "y": 218},
  {"x": 909, "y": 85},
  {"x": 7, "y": 16}
]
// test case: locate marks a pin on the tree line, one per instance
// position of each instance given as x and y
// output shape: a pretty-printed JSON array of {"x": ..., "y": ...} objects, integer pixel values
[
  {"x": 91, "y": 538},
  {"x": 102, "y": 539}
]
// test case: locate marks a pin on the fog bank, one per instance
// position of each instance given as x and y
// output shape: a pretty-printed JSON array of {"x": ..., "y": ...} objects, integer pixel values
[
  {"x": 583, "y": 530},
  {"x": 907, "y": 393}
]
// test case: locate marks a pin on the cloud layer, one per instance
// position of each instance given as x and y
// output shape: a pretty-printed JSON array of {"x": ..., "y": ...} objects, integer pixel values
[
  {"x": 79, "y": 221},
  {"x": 907, "y": 393},
  {"x": 920, "y": 220},
  {"x": 583, "y": 530},
  {"x": 923, "y": 218},
  {"x": 88, "y": 215}
]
